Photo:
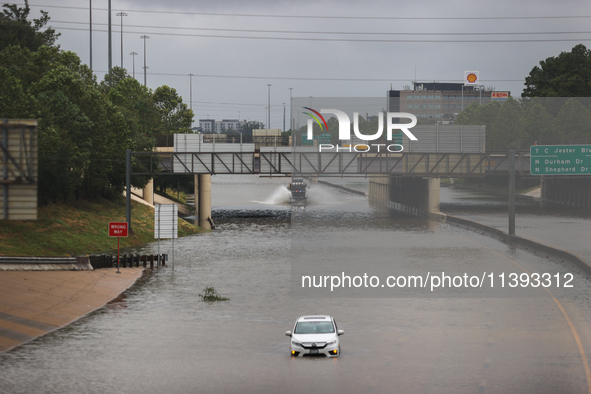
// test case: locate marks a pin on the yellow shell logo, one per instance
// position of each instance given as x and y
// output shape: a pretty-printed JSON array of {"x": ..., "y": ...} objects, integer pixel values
[{"x": 471, "y": 77}]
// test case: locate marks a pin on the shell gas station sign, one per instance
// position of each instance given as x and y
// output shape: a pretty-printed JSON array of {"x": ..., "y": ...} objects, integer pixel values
[{"x": 471, "y": 78}]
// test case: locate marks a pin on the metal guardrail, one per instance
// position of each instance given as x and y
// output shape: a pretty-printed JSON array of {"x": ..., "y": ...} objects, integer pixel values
[{"x": 128, "y": 260}]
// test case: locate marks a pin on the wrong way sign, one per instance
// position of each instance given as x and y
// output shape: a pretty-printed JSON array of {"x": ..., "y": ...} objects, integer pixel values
[{"x": 117, "y": 229}]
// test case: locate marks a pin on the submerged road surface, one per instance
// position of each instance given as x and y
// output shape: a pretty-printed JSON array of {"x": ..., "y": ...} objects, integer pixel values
[{"x": 160, "y": 337}]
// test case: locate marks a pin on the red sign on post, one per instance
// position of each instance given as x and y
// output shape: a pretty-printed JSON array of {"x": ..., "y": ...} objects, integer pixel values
[{"x": 117, "y": 229}]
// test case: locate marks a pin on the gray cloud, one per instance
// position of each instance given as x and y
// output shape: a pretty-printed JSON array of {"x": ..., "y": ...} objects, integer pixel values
[{"x": 313, "y": 63}]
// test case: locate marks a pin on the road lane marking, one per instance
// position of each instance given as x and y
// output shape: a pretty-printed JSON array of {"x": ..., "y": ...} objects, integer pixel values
[{"x": 570, "y": 324}]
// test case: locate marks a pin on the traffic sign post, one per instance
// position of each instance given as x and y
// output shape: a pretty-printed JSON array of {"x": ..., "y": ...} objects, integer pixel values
[
  {"x": 118, "y": 229},
  {"x": 560, "y": 159}
]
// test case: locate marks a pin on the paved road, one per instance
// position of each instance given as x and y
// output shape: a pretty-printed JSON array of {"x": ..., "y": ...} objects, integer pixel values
[{"x": 33, "y": 303}]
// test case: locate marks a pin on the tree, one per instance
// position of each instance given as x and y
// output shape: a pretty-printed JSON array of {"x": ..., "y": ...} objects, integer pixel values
[
  {"x": 173, "y": 114},
  {"x": 574, "y": 120},
  {"x": 16, "y": 29},
  {"x": 249, "y": 126},
  {"x": 566, "y": 75},
  {"x": 136, "y": 104},
  {"x": 506, "y": 132},
  {"x": 13, "y": 98}
]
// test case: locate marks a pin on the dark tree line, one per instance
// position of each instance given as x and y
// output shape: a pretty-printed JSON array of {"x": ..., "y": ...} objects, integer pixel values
[{"x": 85, "y": 126}]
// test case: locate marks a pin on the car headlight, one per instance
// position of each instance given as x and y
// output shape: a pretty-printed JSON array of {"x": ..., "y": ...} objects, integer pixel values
[
  {"x": 296, "y": 343},
  {"x": 331, "y": 343}
]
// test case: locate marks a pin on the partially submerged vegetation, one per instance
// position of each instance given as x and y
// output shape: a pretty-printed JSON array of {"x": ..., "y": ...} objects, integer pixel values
[
  {"x": 79, "y": 227},
  {"x": 211, "y": 295}
]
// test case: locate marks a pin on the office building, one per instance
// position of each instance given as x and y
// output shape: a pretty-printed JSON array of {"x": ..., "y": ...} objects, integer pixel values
[{"x": 434, "y": 101}]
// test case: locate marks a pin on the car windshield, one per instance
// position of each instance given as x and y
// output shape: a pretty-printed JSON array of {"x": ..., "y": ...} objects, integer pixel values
[{"x": 314, "y": 327}]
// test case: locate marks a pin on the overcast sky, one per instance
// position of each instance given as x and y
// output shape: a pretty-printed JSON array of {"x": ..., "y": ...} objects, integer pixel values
[{"x": 331, "y": 50}]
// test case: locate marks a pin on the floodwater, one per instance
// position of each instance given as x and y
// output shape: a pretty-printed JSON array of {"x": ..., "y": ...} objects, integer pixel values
[
  {"x": 556, "y": 225},
  {"x": 160, "y": 337}
]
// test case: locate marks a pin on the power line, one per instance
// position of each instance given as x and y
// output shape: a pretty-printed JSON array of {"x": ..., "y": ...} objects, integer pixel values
[
  {"x": 340, "y": 32},
  {"x": 326, "y": 16},
  {"x": 344, "y": 39},
  {"x": 317, "y": 78}
]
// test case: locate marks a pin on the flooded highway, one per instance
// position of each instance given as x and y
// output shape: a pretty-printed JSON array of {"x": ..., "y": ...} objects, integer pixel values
[{"x": 160, "y": 337}]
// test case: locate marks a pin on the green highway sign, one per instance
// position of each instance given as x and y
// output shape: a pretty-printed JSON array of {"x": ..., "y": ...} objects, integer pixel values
[
  {"x": 560, "y": 159},
  {"x": 325, "y": 138},
  {"x": 306, "y": 141}
]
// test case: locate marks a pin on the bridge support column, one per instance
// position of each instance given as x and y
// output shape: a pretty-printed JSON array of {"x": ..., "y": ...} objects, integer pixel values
[
  {"x": 432, "y": 204},
  {"x": 411, "y": 195},
  {"x": 416, "y": 195},
  {"x": 205, "y": 201},
  {"x": 149, "y": 192},
  {"x": 196, "y": 192}
]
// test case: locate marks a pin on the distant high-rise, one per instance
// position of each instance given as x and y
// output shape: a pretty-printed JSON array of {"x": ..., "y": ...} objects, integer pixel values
[{"x": 212, "y": 126}]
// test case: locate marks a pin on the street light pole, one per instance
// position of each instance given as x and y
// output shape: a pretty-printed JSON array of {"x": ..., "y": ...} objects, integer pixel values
[
  {"x": 269, "y": 108},
  {"x": 121, "y": 14},
  {"x": 133, "y": 54},
  {"x": 110, "y": 43},
  {"x": 91, "y": 34},
  {"x": 291, "y": 126},
  {"x": 191, "y": 95},
  {"x": 144, "y": 37}
]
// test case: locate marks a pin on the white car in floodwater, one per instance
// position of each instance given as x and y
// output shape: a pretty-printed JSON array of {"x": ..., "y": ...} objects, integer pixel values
[{"x": 315, "y": 335}]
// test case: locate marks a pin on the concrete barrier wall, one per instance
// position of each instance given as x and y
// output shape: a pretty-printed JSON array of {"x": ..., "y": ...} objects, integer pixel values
[{"x": 32, "y": 263}]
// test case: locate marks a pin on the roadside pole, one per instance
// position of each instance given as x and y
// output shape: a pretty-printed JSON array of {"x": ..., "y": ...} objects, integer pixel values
[
  {"x": 158, "y": 206},
  {"x": 511, "y": 192},
  {"x": 128, "y": 187},
  {"x": 118, "y": 255}
]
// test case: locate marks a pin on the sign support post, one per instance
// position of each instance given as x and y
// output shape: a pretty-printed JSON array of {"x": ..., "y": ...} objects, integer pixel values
[
  {"x": 511, "y": 192},
  {"x": 118, "y": 255}
]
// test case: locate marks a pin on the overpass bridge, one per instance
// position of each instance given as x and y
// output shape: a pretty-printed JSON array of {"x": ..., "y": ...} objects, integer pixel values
[
  {"x": 308, "y": 161},
  {"x": 409, "y": 178}
]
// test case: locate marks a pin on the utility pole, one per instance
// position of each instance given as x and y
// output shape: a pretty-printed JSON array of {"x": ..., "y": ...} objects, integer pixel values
[
  {"x": 284, "y": 117},
  {"x": 191, "y": 95},
  {"x": 91, "y": 34},
  {"x": 134, "y": 55},
  {"x": 121, "y": 14},
  {"x": 110, "y": 43},
  {"x": 144, "y": 37},
  {"x": 269, "y": 108}
]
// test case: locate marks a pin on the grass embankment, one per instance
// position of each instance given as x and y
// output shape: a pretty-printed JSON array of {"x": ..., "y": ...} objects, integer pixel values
[{"x": 80, "y": 227}]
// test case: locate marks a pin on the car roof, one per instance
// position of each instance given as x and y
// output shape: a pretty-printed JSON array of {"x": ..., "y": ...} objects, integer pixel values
[{"x": 314, "y": 318}]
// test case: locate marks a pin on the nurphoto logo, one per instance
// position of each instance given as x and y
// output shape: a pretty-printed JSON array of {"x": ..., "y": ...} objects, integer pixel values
[{"x": 345, "y": 129}]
